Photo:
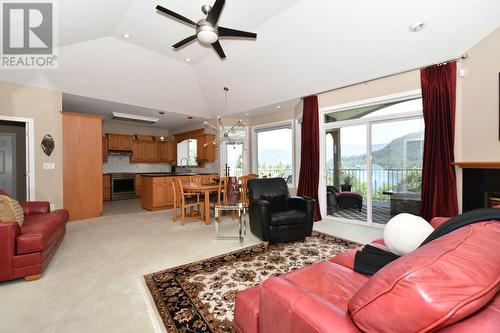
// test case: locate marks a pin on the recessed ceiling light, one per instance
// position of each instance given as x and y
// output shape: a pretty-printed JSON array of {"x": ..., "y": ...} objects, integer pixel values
[
  {"x": 126, "y": 36},
  {"x": 246, "y": 113},
  {"x": 416, "y": 26},
  {"x": 278, "y": 106},
  {"x": 188, "y": 59}
]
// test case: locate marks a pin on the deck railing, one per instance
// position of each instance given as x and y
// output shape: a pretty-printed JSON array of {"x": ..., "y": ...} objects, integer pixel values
[{"x": 382, "y": 180}]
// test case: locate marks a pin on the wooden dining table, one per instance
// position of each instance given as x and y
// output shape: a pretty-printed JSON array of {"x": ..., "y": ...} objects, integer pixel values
[{"x": 206, "y": 189}]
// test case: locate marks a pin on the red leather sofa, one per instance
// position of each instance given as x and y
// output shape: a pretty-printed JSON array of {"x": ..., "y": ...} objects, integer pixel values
[
  {"x": 25, "y": 251},
  {"x": 449, "y": 285}
]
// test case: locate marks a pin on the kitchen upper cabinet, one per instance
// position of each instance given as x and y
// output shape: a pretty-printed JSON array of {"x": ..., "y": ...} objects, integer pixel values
[
  {"x": 167, "y": 151},
  {"x": 171, "y": 152},
  {"x": 144, "y": 151},
  {"x": 120, "y": 142},
  {"x": 150, "y": 151},
  {"x": 137, "y": 152},
  {"x": 205, "y": 148}
]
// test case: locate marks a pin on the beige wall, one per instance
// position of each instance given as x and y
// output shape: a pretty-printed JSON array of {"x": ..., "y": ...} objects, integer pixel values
[
  {"x": 43, "y": 106},
  {"x": 383, "y": 87},
  {"x": 478, "y": 136}
]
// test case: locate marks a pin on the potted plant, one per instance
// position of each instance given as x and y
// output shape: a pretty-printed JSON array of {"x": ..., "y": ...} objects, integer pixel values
[{"x": 347, "y": 186}]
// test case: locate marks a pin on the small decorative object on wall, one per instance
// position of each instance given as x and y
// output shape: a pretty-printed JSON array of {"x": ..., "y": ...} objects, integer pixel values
[{"x": 48, "y": 144}]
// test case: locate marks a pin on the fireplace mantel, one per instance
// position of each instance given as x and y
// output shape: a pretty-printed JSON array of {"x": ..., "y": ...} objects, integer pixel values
[{"x": 477, "y": 165}]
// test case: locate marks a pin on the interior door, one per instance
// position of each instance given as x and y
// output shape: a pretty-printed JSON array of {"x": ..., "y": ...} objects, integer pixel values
[{"x": 8, "y": 163}]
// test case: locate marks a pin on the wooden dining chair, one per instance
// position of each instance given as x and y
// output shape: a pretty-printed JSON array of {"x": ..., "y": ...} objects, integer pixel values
[
  {"x": 243, "y": 181},
  {"x": 191, "y": 201}
]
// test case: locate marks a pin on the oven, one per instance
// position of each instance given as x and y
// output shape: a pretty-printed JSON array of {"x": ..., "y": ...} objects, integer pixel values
[{"x": 122, "y": 186}]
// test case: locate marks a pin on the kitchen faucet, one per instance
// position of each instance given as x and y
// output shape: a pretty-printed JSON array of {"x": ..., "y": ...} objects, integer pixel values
[{"x": 187, "y": 162}]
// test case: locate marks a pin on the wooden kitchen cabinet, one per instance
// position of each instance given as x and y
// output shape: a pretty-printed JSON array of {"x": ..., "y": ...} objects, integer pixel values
[
  {"x": 205, "y": 148},
  {"x": 167, "y": 152},
  {"x": 158, "y": 193},
  {"x": 137, "y": 152},
  {"x": 120, "y": 142},
  {"x": 104, "y": 149},
  {"x": 82, "y": 165},
  {"x": 138, "y": 185},
  {"x": 106, "y": 187},
  {"x": 172, "y": 152},
  {"x": 150, "y": 152}
]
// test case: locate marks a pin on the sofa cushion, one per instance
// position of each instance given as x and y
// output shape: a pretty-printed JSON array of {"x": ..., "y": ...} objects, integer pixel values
[
  {"x": 333, "y": 282},
  {"x": 39, "y": 231},
  {"x": 435, "y": 286},
  {"x": 10, "y": 210},
  {"x": 289, "y": 217}
]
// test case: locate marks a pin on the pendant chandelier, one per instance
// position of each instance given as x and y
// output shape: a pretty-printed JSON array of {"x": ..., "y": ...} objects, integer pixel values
[{"x": 224, "y": 135}]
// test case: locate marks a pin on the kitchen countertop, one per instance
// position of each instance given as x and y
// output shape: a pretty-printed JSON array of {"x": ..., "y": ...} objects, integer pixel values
[
  {"x": 170, "y": 174},
  {"x": 161, "y": 174}
]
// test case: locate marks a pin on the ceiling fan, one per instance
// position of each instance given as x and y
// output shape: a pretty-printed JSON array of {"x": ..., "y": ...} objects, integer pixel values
[{"x": 207, "y": 30}]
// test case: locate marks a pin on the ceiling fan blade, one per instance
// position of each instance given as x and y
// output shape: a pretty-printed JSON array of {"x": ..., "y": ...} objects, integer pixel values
[
  {"x": 219, "y": 50},
  {"x": 214, "y": 14},
  {"x": 227, "y": 32},
  {"x": 184, "y": 41},
  {"x": 175, "y": 15}
]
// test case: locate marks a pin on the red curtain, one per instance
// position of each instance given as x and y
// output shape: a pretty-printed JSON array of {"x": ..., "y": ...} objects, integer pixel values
[
  {"x": 309, "y": 155},
  {"x": 439, "y": 192}
]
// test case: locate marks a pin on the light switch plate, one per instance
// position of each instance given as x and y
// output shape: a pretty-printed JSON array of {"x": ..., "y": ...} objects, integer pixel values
[{"x": 49, "y": 166}]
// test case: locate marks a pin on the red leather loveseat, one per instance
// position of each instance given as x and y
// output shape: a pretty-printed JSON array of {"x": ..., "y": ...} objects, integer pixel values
[
  {"x": 25, "y": 251},
  {"x": 449, "y": 285}
]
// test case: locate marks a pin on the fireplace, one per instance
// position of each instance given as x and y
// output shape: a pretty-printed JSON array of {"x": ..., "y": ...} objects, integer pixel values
[{"x": 481, "y": 188}]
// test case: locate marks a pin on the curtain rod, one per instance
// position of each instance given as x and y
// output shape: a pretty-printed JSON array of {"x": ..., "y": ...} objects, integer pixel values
[{"x": 464, "y": 56}]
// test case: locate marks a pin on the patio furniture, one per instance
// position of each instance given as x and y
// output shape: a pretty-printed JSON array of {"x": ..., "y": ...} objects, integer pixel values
[
  {"x": 344, "y": 200},
  {"x": 404, "y": 202}
]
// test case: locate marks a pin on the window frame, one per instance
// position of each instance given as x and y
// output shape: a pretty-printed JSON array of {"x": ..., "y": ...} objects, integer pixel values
[
  {"x": 288, "y": 124},
  {"x": 324, "y": 126}
]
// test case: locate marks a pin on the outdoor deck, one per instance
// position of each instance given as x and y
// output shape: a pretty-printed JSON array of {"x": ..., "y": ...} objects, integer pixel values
[{"x": 380, "y": 212}]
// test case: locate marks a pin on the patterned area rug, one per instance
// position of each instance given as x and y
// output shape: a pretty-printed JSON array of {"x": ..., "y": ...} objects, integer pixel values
[{"x": 199, "y": 297}]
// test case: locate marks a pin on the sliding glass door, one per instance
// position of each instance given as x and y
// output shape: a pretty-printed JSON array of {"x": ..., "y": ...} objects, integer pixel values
[
  {"x": 347, "y": 177},
  {"x": 373, "y": 162}
]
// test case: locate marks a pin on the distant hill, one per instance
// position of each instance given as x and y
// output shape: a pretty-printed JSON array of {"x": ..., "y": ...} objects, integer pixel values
[
  {"x": 403, "y": 152},
  {"x": 274, "y": 157}
]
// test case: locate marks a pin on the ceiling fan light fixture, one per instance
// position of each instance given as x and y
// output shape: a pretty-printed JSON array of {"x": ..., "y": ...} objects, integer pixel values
[{"x": 207, "y": 37}]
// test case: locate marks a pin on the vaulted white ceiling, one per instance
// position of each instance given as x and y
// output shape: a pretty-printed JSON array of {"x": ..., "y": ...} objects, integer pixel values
[{"x": 303, "y": 46}]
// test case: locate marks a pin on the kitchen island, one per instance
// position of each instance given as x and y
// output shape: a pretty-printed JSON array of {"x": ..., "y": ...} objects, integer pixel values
[{"x": 157, "y": 190}]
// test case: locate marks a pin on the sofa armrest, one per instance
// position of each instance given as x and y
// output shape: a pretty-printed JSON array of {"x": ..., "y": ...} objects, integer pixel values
[
  {"x": 35, "y": 207},
  {"x": 259, "y": 212},
  {"x": 8, "y": 233},
  {"x": 307, "y": 205},
  {"x": 437, "y": 221},
  {"x": 302, "y": 310}
]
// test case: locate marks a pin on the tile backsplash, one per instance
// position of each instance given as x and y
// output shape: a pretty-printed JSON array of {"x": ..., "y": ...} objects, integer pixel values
[{"x": 122, "y": 164}]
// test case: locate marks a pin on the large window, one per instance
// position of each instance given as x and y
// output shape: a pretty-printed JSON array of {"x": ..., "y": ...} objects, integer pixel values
[
  {"x": 186, "y": 153},
  {"x": 373, "y": 157},
  {"x": 273, "y": 156}
]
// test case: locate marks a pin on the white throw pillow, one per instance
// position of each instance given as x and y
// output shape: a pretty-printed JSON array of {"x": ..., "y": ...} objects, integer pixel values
[{"x": 405, "y": 232}]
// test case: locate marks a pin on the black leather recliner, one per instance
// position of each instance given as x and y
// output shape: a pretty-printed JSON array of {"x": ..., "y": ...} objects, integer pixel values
[{"x": 272, "y": 225}]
